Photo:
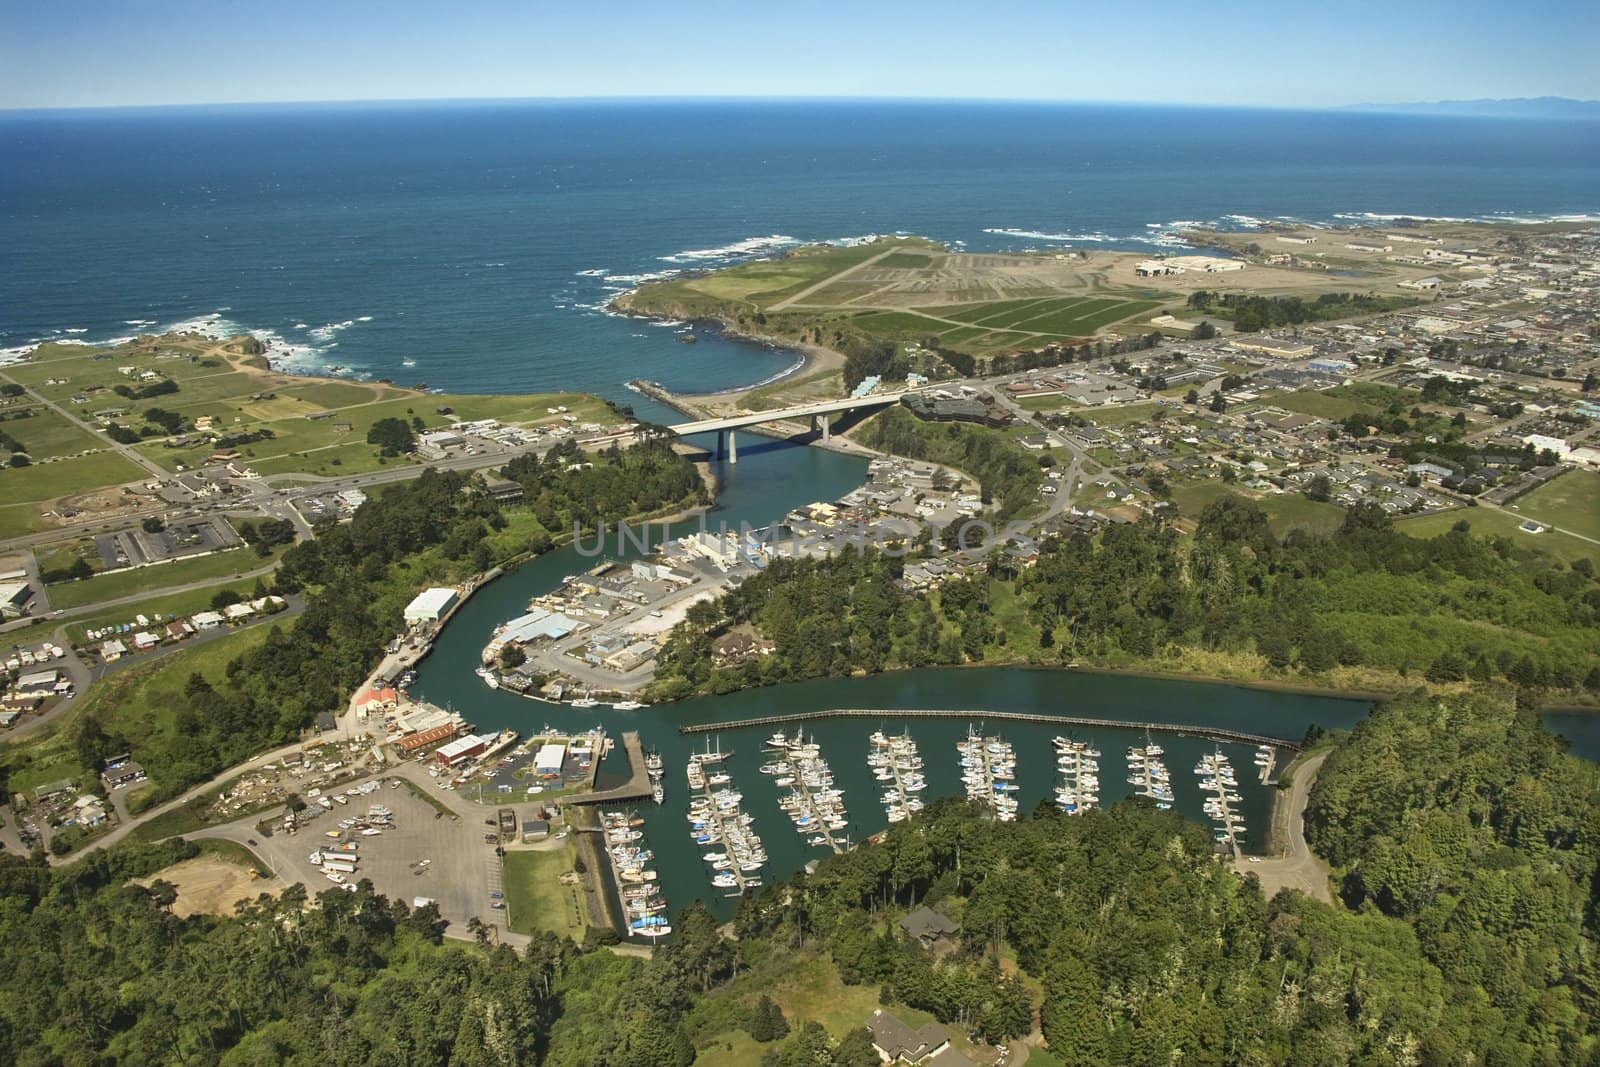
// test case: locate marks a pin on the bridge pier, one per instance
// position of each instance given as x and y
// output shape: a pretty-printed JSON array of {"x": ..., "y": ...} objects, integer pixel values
[
  {"x": 727, "y": 446},
  {"x": 824, "y": 423}
]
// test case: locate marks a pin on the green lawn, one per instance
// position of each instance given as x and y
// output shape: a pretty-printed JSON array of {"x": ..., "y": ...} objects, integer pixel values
[
  {"x": 1284, "y": 511},
  {"x": 1337, "y": 403},
  {"x": 45, "y": 481},
  {"x": 535, "y": 896},
  {"x": 19, "y": 519},
  {"x": 227, "y": 564},
  {"x": 44, "y": 434},
  {"x": 1496, "y": 522},
  {"x": 174, "y": 605},
  {"x": 1569, "y": 501}
]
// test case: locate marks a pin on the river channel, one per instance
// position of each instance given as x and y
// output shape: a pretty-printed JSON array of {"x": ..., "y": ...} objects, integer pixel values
[{"x": 770, "y": 479}]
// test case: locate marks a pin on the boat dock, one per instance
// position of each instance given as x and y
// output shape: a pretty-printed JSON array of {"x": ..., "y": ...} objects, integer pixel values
[
  {"x": 1266, "y": 762},
  {"x": 988, "y": 770},
  {"x": 1213, "y": 733},
  {"x": 813, "y": 805},
  {"x": 1079, "y": 764},
  {"x": 895, "y": 762},
  {"x": 637, "y": 787},
  {"x": 716, "y": 818},
  {"x": 1216, "y": 777},
  {"x": 1148, "y": 774},
  {"x": 644, "y": 911}
]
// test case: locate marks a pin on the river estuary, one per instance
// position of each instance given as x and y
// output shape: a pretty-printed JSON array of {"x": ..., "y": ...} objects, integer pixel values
[{"x": 770, "y": 479}]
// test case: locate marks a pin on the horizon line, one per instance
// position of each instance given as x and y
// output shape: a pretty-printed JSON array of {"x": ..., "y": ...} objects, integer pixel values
[{"x": 668, "y": 98}]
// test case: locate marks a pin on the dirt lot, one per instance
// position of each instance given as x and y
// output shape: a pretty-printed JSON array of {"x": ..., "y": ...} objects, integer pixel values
[{"x": 211, "y": 886}]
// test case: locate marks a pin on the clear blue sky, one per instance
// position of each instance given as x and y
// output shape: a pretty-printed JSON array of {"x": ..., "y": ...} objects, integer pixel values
[{"x": 73, "y": 53}]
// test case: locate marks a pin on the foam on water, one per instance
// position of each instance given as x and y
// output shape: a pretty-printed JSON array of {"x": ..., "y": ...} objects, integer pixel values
[{"x": 750, "y": 246}]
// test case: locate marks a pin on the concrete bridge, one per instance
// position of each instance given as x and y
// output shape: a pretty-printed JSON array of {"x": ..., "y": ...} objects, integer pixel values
[{"x": 818, "y": 413}]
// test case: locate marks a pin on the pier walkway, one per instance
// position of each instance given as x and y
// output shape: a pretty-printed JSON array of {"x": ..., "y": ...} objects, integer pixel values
[
  {"x": 1211, "y": 733},
  {"x": 637, "y": 787}
]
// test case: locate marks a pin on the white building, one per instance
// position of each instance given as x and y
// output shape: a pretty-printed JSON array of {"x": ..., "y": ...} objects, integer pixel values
[{"x": 430, "y": 605}]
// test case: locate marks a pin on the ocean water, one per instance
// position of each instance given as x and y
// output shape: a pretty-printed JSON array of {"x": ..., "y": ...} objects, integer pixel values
[{"x": 472, "y": 246}]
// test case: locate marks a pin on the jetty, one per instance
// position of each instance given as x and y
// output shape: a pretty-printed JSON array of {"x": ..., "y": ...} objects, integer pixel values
[
  {"x": 1211, "y": 733},
  {"x": 1148, "y": 774},
  {"x": 637, "y": 787}
]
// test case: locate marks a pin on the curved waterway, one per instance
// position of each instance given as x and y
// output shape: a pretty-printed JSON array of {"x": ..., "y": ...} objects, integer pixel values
[{"x": 768, "y": 481}]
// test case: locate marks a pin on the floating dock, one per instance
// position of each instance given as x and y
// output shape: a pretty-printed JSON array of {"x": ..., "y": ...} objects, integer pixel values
[
  {"x": 813, "y": 805},
  {"x": 1079, "y": 765},
  {"x": 717, "y": 817},
  {"x": 1214, "y": 733},
  {"x": 1216, "y": 777},
  {"x": 988, "y": 770},
  {"x": 895, "y": 762}
]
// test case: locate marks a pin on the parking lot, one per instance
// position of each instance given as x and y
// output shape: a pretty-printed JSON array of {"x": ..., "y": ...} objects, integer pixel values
[{"x": 457, "y": 876}]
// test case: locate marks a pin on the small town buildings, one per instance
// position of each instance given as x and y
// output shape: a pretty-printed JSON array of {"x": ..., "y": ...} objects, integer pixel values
[
  {"x": 121, "y": 772},
  {"x": 462, "y": 749},
  {"x": 502, "y": 490},
  {"x": 14, "y": 597},
  {"x": 429, "y": 606},
  {"x": 535, "y": 829},
  {"x": 206, "y": 620}
]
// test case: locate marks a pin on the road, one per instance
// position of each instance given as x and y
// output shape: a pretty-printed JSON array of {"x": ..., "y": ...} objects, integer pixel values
[
  {"x": 84, "y": 675},
  {"x": 127, "y": 452},
  {"x": 832, "y": 278},
  {"x": 1300, "y": 868}
]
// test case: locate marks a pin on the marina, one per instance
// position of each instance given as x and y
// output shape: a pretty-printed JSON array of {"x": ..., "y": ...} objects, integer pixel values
[
  {"x": 1079, "y": 764},
  {"x": 718, "y": 823},
  {"x": 895, "y": 763},
  {"x": 989, "y": 771},
  {"x": 813, "y": 804},
  {"x": 644, "y": 909},
  {"x": 1149, "y": 775},
  {"x": 1216, "y": 778}
]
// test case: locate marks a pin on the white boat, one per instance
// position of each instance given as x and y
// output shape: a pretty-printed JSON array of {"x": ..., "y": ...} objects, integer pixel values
[
  {"x": 490, "y": 678},
  {"x": 585, "y": 702},
  {"x": 628, "y": 705}
]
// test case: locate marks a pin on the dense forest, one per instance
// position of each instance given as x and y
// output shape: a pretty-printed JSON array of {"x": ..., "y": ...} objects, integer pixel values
[
  {"x": 1117, "y": 934},
  {"x": 1453, "y": 608}
]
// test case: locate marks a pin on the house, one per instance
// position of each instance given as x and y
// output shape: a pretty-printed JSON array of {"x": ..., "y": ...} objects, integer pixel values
[
  {"x": 502, "y": 490},
  {"x": 113, "y": 650},
  {"x": 380, "y": 699},
  {"x": 238, "y": 612},
  {"x": 206, "y": 620},
  {"x": 929, "y": 927},
  {"x": 535, "y": 829},
  {"x": 37, "y": 683},
  {"x": 895, "y": 1042},
  {"x": 121, "y": 772},
  {"x": 739, "y": 645}
]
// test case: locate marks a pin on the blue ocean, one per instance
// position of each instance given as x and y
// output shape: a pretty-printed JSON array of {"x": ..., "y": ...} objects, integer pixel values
[{"x": 472, "y": 246}]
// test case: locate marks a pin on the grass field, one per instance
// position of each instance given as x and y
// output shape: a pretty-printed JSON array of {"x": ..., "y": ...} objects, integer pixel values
[
  {"x": 1569, "y": 501},
  {"x": 1495, "y": 522},
  {"x": 138, "y": 703},
  {"x": 535, "y": 896},
  {"x": 1284, "y": 511},
  {"x": 19, "y": 519},
  {"x": 135, "y": 580},
  {"x": 62, "y": 477},
  {"x": 45, "y": 435},
  {"x": 156, "y": 606},
  {"x": 1335, "y": 404},
  {"x": 240, "y": 400}
]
